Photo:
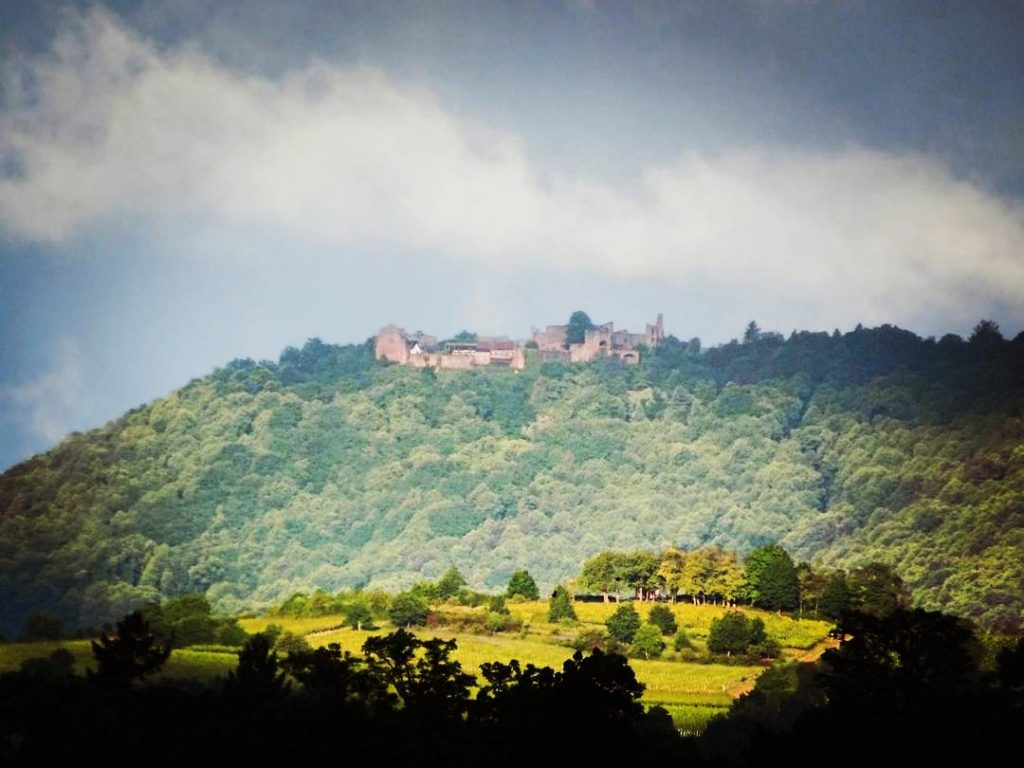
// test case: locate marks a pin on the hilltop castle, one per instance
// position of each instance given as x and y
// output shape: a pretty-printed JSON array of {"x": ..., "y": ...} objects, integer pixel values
[
  {"x": 420, "y": 350},
  {"x": 602, "y": 341}
]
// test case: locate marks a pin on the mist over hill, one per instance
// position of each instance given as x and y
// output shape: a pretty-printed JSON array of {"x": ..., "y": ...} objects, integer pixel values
[{"x": 330, "y": 469}]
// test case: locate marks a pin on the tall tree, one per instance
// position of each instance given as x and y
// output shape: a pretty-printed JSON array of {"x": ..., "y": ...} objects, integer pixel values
[
  {"x": 579, "y": 324},
  {"x": 670, "y": 570},
  {"x": 772, "y": 580}
]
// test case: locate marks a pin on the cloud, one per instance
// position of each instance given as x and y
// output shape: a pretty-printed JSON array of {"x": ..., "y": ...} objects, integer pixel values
[
  {"x": 111, "y": 127},
  {"x": 50, "y": 406}
]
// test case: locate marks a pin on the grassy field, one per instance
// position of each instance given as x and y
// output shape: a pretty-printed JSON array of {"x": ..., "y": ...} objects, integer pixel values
[{"x": 691, "y": 692}]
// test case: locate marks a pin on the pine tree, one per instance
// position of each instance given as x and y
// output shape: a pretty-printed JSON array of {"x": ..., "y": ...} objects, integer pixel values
[{"x": 561, "y": 605}]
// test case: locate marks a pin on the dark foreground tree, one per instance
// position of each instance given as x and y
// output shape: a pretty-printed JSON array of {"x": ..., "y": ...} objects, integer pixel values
[
  {"x": 130, "y": 654},
  {"x": 422, "y": 672},
  {"x": 258, "y": 677}
]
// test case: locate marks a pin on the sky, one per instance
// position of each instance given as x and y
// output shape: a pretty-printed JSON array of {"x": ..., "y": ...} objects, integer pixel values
[{"x": 183, "y": 183}]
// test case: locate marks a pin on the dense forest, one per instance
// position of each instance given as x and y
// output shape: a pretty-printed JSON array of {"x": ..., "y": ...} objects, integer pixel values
[{"x": 328, "y": 469}]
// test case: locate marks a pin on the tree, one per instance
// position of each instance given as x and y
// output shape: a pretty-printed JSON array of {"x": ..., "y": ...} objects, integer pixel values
[
  {"x": 332, "y": 676},
  {"x": 429, "y": 682},
  {"x": 876, "y": 589},
  {"x": 257, "y": 678},
  {"x": 985, "y": 333},
  {"x": 42, "y": 626},
  {"x": 772, "y": 579},
  {"x": 358, "y": 615},
  {"x": 623, "y": 624},
  {"x": 450, "y": 583},
  {"x": 579, "y": 324},
  {"x": 523, "y": 585},
  {"x": 603, "y": 573},
  {"x": 752, "y": 333},
  {"x": 639, "y": 569},
  {"x": 647, "y": 641},
  {"x": 560, "y": 606},
  {"x": 835, "y": 597},
  {"x": 670, "y": 570},
  {"x": 663, "y": 618},
  {"x": 132, "y": 653},
  {"x": 408, "y": 609},
  {"x": 730, "y": 634}
]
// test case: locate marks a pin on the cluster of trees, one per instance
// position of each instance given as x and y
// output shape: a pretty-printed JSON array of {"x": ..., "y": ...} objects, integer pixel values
[
  {"x": 767, "y": 578},
  {"x": 329, "y": 469},
  {"x": 413, "y": 607}
]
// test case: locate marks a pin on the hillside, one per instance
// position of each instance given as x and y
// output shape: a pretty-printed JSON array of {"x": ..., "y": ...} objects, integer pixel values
[{"x": 328, "y": 469}]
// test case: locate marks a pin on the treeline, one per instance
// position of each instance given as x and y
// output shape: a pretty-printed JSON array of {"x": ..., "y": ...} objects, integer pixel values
[
  {"x": 904, "y": 689},
  {"x": 766, "y": 578},
  {"x": 329, "y": 469}
]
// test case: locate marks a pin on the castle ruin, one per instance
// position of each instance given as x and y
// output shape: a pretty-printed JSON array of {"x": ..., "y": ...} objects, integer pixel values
[
  {"x": 598, "y": 342},
  {"x": 420, "y": 350}
]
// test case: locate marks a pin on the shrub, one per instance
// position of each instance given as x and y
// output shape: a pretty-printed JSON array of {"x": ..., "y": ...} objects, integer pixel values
[
  {"x": 682, "y": 641},
  {"x": 502, "y": 622},
  {"x": 497, "y": 604},
  {"x": 289, "y": 642}
]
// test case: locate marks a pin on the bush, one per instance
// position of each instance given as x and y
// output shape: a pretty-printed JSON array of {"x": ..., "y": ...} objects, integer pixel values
[
  {"x": 502, "y": 622},
  {"x": 662, "y": 617},
  {"x": 682, "y": 641},
  {"x": 623, "y": 624},
  {"x": 497, "y": 604},
  {"x": 289, "y": 642},
  {"x": 766, "y": 649}
]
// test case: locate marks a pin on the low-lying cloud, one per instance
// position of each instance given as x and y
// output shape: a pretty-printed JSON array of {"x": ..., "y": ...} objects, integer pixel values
[{"x": 110, "y": 127}]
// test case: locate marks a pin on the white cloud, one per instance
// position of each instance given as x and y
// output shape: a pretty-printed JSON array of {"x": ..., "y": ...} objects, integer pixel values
[
  {"x": 114, "y": 127},
  {"x": 51, "y": 405}
]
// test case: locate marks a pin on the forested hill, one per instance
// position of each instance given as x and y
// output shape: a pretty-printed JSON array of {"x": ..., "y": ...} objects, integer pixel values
[{"x": 328, "y": 469}]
